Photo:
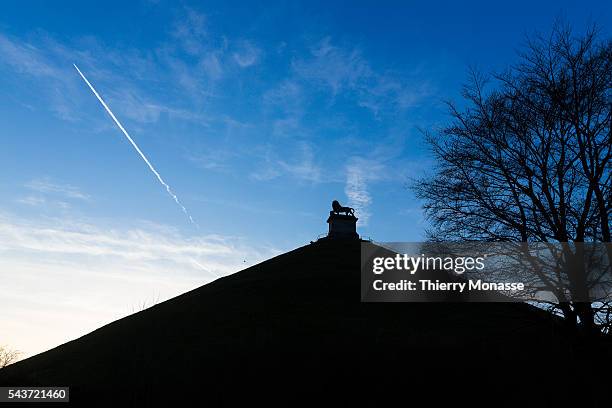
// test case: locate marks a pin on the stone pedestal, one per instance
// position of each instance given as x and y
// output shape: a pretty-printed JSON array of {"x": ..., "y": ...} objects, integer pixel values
[{"x": 342, "y": 226}]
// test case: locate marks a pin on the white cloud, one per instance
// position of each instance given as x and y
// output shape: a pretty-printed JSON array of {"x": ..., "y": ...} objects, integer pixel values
[
  {"x": 191, "y": 32},
  {"x": 357, "y": 193},
  {"x": 342, "y": 69},
  {"x": 35, "y": 61},
  {"x": 285, "y": 105},
  {"x": 287, "y": 95},
  {"x": 265, "y": 174},
  {"x": 65, "y": 278},
  {"x": 334, "y": 66},
  {"x": 213, "y": 160},
  {"x": 360, "y": 173},
  {"x": 33, "y": 201},
  {"x": 211, "y": 65},
  {"x": 64, "y": 190},
  {"x": 124, "y": 75},
  {"x": 26, "y": 58},
  {"x": 137, "y": 244},
  {"x": 246, "y": 54},
  {"x": 44, "y": 203},
  {"x": 304, "y": 167},
  {"x": 301, "y": 165}
]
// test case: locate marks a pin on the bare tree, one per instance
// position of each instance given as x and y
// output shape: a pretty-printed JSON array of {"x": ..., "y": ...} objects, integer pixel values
[
  {"x": 528, "y": 159},
  {"x": 7, "y": 356}
]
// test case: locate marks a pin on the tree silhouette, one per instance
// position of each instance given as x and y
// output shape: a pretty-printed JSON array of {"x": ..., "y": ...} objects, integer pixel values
[
  {"x": 528, "y": 159},
  {"x": 7, "y": 356}
]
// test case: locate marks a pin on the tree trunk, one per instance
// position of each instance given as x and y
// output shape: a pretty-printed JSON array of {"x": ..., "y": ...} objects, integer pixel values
[
  {"x": 587, "y": 318},
  {"x": 570, "y": 318}
]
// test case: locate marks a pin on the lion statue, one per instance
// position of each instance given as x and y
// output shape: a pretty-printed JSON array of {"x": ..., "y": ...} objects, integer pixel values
[{"x": 338, "y": 209}]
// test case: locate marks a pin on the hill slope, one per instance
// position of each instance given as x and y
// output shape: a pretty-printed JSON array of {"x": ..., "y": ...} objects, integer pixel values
[{"x": 292, "y": 329}]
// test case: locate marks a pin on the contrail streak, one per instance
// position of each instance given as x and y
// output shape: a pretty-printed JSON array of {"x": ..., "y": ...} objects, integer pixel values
[{"x": 127, "y": 135}]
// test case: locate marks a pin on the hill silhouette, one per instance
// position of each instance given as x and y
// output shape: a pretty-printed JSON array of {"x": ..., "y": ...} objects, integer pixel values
[{"x": 292, "y": 331}]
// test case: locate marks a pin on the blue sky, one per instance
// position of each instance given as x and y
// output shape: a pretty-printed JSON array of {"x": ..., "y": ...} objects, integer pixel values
[{"x": 257, "y": 116}]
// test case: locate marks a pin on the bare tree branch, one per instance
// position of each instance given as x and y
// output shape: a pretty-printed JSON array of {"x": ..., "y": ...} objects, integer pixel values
[{"x": 529, "y": 159}]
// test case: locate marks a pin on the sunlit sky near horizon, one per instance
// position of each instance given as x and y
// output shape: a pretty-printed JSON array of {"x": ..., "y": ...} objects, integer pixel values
[{"x": 257, "y": 115}]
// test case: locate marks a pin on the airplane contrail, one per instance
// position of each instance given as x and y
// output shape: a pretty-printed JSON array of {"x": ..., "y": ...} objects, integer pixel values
[{"x": 127, "y": 135}]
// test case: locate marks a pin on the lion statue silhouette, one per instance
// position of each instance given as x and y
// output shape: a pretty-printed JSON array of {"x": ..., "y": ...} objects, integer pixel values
[{"x": 338, "y": 209}]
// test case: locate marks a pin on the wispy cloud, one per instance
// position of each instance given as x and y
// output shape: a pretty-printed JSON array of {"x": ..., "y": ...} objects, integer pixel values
[
  {"x": 340, "y": 74},
  {"x": 81, "y": 275},
  {"x": 211, "y": 64},
  {"x": 357, "y": 192},
  {"x": 214, "y": 159},
  {"x": 42, "y": 202},
  {"x": 46, "y": 60},
  {"x": 346, "y": 69},
  {"x": 190, "y": 31},
  {"x": 246, "y": 54},
  {"x": 300, "y": 165},
  {"x": 333, "y": 66},
  {"x": 267, "y": 168},
  {"x": 360, "y": 173},
  {"x": 147, "y": 244},
  {"x": 286, "y": 96},
  {"x": 304, "y": 167},
  {"x": 266, "y": 173},
  {"x": 64, "y": 190},
  {"x": 26, "y": 58},
  {"x": 284, "y": 103},
  {"x": 33, "y": 201},
  {"x": 34, "y": 61}
]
